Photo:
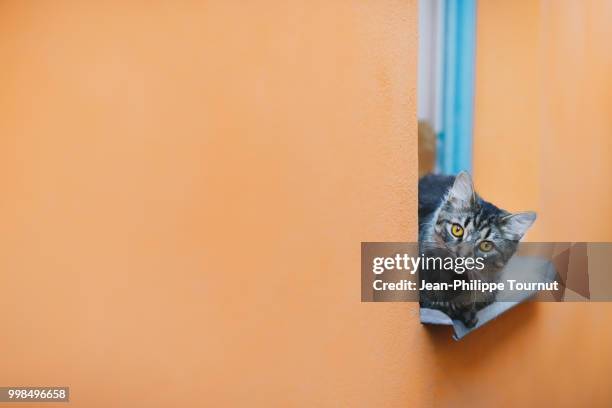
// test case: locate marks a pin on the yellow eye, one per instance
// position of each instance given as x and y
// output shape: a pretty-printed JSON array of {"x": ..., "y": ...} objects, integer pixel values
[
  {"x": 486, "y": 246},
  {"x": 457, "y": 230}
]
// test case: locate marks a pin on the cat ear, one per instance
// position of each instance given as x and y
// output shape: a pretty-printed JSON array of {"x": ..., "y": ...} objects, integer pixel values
[
  {"x": 462, "y": 190},
  {"x": 514, "y": 226}
]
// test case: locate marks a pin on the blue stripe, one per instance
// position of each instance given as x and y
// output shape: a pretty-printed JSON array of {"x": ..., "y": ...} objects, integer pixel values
[{"x": 458, "y": 86}]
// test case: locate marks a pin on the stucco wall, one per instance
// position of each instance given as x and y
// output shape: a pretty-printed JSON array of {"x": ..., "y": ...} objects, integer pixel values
[
  {"x": 542, "y": 121},
  {"x": 184, "y": 190}
]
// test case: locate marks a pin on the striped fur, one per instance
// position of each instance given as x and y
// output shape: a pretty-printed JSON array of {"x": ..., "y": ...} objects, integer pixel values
[{"x": 445, "y": 201}]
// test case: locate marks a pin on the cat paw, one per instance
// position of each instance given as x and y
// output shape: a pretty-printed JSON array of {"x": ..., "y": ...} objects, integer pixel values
[{"x": 470, "y": 320}]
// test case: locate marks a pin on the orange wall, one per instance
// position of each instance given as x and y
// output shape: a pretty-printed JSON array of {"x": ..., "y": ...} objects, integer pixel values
[
  {"x": 184, "y": 190},
  {"x": 543, "y": 141},
  {"x": 543, "y": 123}
]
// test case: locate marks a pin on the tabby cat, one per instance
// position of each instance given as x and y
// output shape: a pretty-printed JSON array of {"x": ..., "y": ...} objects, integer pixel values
[{"x": 454, "y": 221}]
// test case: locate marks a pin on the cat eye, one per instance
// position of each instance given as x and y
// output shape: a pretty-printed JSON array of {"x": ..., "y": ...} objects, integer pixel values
[
  {"x": 485, "y": 246},
  {"x": 457, "y": 230}
]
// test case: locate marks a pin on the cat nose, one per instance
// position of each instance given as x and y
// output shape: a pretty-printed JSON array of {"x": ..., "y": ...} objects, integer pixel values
[{"x": 466, "y": 251}]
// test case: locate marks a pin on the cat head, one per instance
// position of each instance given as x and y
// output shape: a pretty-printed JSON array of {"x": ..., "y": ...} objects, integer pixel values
[{"x": 468, "y": 226}]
